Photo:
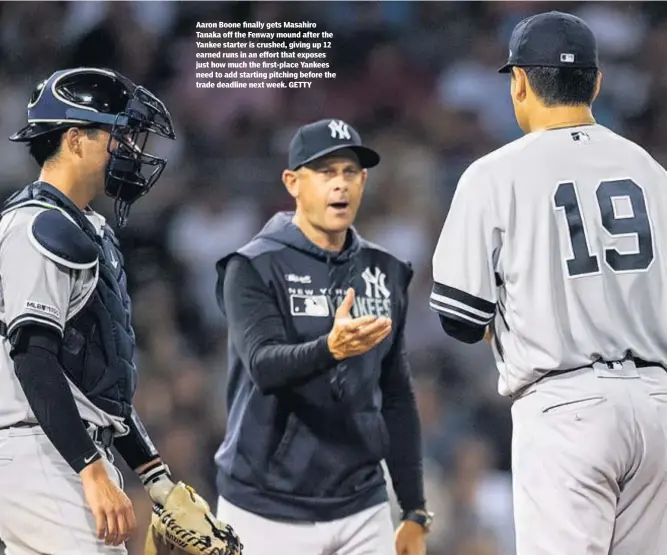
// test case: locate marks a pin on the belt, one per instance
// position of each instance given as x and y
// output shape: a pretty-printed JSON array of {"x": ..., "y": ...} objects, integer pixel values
[
  {"x": 639, "y": 363},
  {"x": 102, "y": 436},
  {"x": 20, "y": 425}
]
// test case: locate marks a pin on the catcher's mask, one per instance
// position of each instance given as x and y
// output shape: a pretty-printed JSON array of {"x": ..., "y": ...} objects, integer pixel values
[{"x": 94, "y": 97}]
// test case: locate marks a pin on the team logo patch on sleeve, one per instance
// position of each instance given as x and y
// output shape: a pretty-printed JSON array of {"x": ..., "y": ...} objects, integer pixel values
[
  {"x": 309, "y": 305},
  {"x": 42, "y": 308}
]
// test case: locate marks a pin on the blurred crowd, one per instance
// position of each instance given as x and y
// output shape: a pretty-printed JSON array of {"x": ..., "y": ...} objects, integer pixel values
[{"x": 419, "y": 81}]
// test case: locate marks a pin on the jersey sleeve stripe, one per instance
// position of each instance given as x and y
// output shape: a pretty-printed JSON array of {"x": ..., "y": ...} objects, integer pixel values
[
  {"x": 445, "y": 293},
  {"x": 439, "y": 299},
  {"x": 456, "y": 313},
  {"x": 25, "y": 319}
]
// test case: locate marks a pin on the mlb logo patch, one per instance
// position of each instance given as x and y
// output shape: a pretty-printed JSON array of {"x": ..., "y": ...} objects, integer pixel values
[
  {"x": 309, "y": 305},
  {"x": 47, "y": 309},
  {"x": 580, "y": 136}
]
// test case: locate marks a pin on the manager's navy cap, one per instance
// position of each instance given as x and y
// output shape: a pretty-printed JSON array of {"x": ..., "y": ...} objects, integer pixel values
[
  {"x": 325, "y": 136},
  {"x": 552, "y": 39}
]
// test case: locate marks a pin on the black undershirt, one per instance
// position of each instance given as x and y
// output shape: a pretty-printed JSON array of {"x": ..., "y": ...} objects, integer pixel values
[
  {"x": 43, "y": 381},
  {"x": 257, "y": 331},
  {"x": 464, "y": 332},
  {"x": 49, "y": 395}
]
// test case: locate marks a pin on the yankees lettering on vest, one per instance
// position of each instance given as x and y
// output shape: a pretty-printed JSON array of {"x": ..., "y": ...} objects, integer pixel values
[
  {"x": 301, "y": 476},
  {"x": 375, "y": 300}
]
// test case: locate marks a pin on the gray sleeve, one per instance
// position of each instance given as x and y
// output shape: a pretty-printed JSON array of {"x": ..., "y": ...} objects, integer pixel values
[
  {"x": 464, "y": 285},
  {"x": 35, "y": 289}
]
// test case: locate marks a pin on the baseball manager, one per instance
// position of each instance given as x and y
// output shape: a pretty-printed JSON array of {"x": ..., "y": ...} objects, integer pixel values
[{"x": 319, "y": 388}]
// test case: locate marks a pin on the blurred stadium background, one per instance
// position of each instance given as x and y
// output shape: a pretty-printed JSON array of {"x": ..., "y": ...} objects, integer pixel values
[{"x": 418, "y": 79}]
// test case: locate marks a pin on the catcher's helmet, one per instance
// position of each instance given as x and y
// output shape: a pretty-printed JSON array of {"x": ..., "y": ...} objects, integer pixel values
[{"x": 95, "y": 97}]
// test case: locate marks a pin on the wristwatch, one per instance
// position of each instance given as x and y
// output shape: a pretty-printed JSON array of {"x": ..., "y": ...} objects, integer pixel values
[{"x": 421, "y": 516}]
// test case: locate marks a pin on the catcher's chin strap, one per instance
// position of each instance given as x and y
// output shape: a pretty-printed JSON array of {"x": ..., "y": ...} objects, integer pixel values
[{"x": 157, "y": 482}]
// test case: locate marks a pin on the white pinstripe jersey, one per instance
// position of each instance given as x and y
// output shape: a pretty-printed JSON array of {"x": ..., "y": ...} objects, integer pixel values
[
  {"x": 557, "y": 240},
  {"x": 35, "y": 288}
]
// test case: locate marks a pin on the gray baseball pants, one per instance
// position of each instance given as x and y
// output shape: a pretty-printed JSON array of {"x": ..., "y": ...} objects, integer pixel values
[
  {"x": 369, "y": 532},
  {"x": 43, "y": 510},
  {"x": 590, "y": 462}
]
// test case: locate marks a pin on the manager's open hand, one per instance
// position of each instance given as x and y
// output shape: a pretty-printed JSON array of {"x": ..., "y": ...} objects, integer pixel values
[{"x": 355, "y": 336}]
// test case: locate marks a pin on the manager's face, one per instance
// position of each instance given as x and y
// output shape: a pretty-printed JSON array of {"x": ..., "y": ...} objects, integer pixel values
[{"x": 328, "y": 191}]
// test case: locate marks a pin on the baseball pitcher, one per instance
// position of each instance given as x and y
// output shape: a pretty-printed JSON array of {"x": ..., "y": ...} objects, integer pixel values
[{"x": 555, "y": 247}]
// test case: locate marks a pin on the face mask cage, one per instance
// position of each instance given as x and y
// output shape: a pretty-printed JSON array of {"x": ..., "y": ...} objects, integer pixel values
[{"x": 132, "y": 171}]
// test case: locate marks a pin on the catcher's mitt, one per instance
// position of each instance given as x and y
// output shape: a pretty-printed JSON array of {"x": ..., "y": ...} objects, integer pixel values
[{"x": 186, "y": 525}]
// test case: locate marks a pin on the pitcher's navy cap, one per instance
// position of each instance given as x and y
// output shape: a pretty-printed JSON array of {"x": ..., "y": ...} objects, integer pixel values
[
  {"x": 325, "y": 136},
  {"x": 552, "y": 39}
]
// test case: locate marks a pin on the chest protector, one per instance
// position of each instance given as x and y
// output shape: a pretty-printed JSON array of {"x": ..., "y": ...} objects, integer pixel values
[{"x": 99, "y": 341}]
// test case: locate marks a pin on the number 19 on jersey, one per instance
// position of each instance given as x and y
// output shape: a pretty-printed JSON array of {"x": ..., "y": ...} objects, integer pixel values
[{"x": 638, "y": 224}]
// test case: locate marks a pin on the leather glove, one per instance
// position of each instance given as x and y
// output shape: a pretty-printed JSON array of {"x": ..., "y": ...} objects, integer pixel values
[
  {"x": 182, "y": 521},
  {"x": 185, "y": 524}
]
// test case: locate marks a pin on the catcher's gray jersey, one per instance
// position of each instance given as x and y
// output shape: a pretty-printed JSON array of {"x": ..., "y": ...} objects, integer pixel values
[
  {"x": 34, "y": 288},
  {"x": 558, "y": 241}
]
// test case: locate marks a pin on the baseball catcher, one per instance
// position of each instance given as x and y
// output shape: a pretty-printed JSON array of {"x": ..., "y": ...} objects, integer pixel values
[{"x": 67, "y": 343}]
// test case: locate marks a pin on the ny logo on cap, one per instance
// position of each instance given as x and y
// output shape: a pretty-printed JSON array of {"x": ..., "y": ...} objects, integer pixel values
[{"x": 339, "y": 129}]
